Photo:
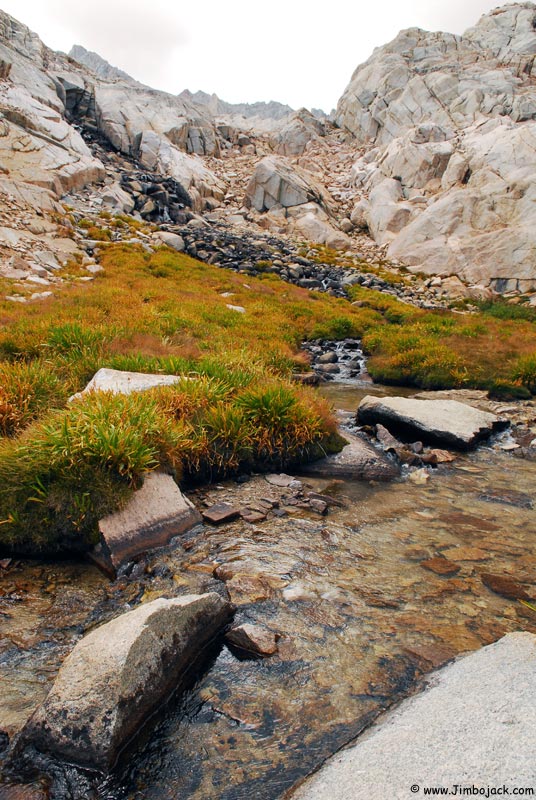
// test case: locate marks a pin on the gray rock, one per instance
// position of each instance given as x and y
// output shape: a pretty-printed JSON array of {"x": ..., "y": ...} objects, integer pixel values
[
  {"x": 443, "y": 422},
  {"x": 359, "y": 460},
  {"x": 452, "y": 119},
  {"x": 155, "y": 514},
  {"x": 170, "y": 239},
  {"x": 301, "y": 128},
  {"x": 276, "y": 182},
  {"x": 122, "y": 382},
  {"x": 470, "y": 727},
  {"x": 119, "y": 674}
]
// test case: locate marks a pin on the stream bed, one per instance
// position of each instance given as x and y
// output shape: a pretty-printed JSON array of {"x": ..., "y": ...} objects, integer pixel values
[{"x": 361, "y": 620}]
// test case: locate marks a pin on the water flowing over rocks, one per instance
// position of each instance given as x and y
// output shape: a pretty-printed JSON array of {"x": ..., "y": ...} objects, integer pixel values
[
  {"x": 444, "y": 422},
  {"x": 120, "y": 673},
  {"x": 474, "y": 713}
]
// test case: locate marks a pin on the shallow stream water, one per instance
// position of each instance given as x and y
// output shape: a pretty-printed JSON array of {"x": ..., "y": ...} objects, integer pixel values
[{"x": 361, "y": 620}]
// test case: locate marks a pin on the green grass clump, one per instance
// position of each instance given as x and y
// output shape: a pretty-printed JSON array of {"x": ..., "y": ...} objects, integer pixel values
[
  {"x": 78, "y": 464},
  {"x": 26, "y": 391},
  {"x": 524, "y": 371}
]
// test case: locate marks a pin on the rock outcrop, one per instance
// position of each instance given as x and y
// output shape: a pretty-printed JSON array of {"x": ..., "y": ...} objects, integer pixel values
[
  {"x": 276, "y": 182},
  {"x": 449, "y": 124},
  {"x": 301, "y": 128},
  {"x": 443, "y": 422},
  {"x": 471, "y": 713},
  {"x": 119, "y": 674}
]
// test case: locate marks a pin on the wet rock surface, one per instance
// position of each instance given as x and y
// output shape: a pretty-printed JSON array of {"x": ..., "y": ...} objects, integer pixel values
[
  {"x": 156, "y": 513},
  {"x": 358, "y": 460},
  {"x": 336, "y": 360},
  {"x": 118, "y": 674}
]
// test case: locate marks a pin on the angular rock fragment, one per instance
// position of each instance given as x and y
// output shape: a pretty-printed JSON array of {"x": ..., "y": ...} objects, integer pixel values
[
  {"x": 359, "y": 460},
  {"x": 119, "y": 674},
  {"x": 254, "y": 639},
  {"x": 154, "y": 515},
  {"x": 441, "y": 566},
  {"x": 220, "y": 513},
  {"x": 504, "y": 585}
]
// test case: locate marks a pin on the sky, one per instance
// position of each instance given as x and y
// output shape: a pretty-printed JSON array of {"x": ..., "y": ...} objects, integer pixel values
[{"x": 299, "y": 52}]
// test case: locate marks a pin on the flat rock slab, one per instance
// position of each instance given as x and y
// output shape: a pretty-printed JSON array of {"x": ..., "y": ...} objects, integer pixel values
[
  {"x": 220, "y": 513},
  {"x": 154, "y": 515},
  {"x": 119, "y": 674},
  {"x": 473, "y": 726},
  {"x": 441, "y": 566},
  {"x": 120, "y": 382},
  {"x": 444, "y": 422},
  {"x": 505, "y": 586},
  {"x": 359, "y": 460}
]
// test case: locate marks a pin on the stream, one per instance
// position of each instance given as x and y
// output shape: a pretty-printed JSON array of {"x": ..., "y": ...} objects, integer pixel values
[{"x": 361, "y": 620}]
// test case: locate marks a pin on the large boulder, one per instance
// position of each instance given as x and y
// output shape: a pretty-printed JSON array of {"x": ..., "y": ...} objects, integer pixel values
[
  {"x": 312, "y": 223},
  {"x": 443, "y": 422},
  {"x": 468, "y": 728},
  {"x": 155, "y": 514},
  {"x": 301, "y": 128},
  {"x": 358, "y": 460},
  {"x": 119, "y": 674},
  {"x": 276, "y": 182},
  {"x": 123, "y": 382}
]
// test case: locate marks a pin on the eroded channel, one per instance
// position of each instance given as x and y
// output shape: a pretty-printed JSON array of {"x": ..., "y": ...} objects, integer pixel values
[{"x": 361, "y": 621}]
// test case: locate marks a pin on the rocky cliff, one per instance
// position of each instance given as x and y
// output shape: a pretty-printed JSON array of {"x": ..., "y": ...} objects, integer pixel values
[
  {"x": 429, "y": 164},
  {"x": 448, "y": 126}
]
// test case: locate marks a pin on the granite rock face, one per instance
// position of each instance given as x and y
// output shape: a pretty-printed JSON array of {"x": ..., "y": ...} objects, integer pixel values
[
  {"x": 118, "y": 674},
  {"x": 469, "y": 728},
  {"x": 276, "y": 182},
  {"x": 451, "y": 120},
  {"x": 443, "y": 422}
]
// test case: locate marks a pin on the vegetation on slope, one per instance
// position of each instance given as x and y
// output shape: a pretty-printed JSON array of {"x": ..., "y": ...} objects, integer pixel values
[{"x": 64, "y": 465}]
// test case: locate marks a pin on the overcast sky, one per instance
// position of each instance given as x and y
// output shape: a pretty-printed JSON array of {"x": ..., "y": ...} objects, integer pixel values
[{"x": 300, "y": 52}]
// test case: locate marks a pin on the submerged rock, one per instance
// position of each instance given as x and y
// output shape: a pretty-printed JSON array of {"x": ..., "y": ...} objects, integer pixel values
[
  {"x": 119, "y": 674},
  {"x": 359, "y": 460},
  {"x": 154, "y": 515},
  {"x": 444, "y": 422},
  {"x": 253, "y": 639},
  {"x": 504, "y": 585}
]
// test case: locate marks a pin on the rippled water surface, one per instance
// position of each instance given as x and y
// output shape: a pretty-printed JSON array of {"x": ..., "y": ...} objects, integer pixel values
[{"x": 360, "y": 621}]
